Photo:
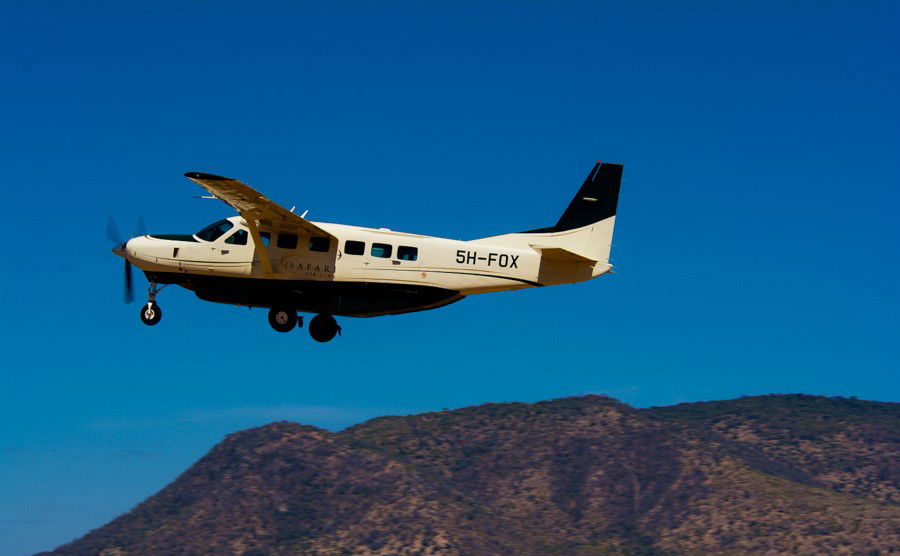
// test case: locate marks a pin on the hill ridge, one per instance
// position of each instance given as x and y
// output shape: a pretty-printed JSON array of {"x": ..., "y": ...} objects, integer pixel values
[{"x": 586, "y": 475}]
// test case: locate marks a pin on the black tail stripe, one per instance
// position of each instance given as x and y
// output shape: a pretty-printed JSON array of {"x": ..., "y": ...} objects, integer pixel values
[{"x": 595, "y": 201}]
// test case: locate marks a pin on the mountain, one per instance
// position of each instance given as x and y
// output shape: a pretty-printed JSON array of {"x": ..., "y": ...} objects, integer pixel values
[{"x": 588, "y": 475}]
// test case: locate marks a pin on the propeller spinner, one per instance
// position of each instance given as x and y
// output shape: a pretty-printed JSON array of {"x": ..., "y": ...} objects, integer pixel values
[{"x": 112, "y": 233}]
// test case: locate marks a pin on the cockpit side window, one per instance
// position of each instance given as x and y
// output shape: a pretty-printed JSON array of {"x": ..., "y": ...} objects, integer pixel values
[
  {"x": 237, "y": 238},
  {"x": 265, "y": 238},
  {"x": 215, "y": 230}
]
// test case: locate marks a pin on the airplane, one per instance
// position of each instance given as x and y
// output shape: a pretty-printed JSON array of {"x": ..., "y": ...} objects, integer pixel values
[{"x": 270, "y": 257}]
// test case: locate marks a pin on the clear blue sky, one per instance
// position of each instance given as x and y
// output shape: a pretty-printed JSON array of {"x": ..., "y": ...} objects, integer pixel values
[{"x": 756, "y": 245}]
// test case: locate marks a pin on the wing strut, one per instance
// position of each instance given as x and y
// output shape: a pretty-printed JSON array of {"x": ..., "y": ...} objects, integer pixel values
[{"x": 260, "y": 248}]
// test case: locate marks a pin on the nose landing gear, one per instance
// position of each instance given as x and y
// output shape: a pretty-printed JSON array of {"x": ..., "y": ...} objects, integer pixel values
[{"x": 151, "y": 313}]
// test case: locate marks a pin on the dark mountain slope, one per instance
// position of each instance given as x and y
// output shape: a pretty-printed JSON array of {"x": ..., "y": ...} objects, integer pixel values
[
  {"x": 845, "y": 444},
  {"x": 592, "y": 472},
  {"x": 292, "y": 488},
  {"x": 576, "y": 471},
  {"x": 573, "y": 476}
]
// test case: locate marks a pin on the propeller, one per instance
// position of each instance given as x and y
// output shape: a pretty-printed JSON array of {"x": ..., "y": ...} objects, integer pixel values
[
  {"x": 112, "y": 231},
  {"x": 129, "y": 290},
  {"x": 113, "y": 234}
]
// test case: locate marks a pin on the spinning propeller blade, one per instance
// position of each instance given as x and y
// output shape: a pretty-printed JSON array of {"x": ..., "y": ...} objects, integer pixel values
[
  {"x": 129, "y": 291},
  {"x": 112, "y": 231},
  {"x": 113, "y": 234}
]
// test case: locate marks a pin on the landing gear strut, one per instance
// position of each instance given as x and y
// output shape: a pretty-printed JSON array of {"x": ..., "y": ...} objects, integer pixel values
[
  {"x": 151, "y": 313},
  {"x": 323, "y": 328},
  {"x": 282, "y": 319}
]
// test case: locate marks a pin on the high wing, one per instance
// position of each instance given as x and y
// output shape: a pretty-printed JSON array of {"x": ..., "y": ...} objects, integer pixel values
[{"x": 252, "y": 205}]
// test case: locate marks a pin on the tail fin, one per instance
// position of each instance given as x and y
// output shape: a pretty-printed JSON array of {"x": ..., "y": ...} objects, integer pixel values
[
  {"x": 595, "y": 201},
  {"x": 577, "y": 247}
]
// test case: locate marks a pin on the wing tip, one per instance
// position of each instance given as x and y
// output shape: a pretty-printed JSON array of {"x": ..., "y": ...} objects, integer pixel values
[{"x": 202, "y": 176}]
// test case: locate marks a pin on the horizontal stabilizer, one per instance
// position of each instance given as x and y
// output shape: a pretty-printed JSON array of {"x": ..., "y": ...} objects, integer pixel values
[{"x": 562, "y": 255}]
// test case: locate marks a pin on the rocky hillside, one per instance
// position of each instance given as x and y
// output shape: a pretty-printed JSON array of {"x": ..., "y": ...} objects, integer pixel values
[
  {"x": 844, "y": 444},
  {"x": 589, "y": 475}
]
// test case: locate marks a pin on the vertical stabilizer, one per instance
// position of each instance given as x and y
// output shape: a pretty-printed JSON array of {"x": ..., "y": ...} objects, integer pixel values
[
  {"x": 595, "y": 201},
  {"x": 577, "y": 247}
]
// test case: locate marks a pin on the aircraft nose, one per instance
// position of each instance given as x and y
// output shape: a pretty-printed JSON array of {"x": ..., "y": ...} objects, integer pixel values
[{"x": 120, "y": 249}]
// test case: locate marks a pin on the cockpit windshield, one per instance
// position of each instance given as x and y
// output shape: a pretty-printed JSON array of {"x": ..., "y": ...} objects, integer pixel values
[{"x": 215, "y": 230}]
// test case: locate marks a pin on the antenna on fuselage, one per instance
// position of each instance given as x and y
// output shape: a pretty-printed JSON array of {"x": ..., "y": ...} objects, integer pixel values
[{"x": 305, "y": 212}]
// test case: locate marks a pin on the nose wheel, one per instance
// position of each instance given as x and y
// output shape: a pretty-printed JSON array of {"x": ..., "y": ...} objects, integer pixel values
[{"x": 151, "y": 313}]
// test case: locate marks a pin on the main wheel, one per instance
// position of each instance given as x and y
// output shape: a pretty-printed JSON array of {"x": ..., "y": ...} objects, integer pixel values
[
  {"x": 282, "y": 319},
  {"x": 150, "y": 313},
  {"x": 323, "y": 328}
]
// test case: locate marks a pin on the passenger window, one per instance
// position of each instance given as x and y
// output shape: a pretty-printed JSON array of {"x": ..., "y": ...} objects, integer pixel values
[
  {"x": 266, "y": 238},
  {"x": 354, "y": 247},
  {"x": 237, "y": 238},
  {"x": 405, "y": 253},
  {"x": 321, "y": 244},
  {"x": 381, "y": 250},
  {"x": 287, "y": 241}
]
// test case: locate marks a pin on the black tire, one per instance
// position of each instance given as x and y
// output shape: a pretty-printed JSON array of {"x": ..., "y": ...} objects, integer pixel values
[
  {"x": 323, "y": 328},
  {"x": 151, "y": 313},
  {"x": 282, "y": 319}
]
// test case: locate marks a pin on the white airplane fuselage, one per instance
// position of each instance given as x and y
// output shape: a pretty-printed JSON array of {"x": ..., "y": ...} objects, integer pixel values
[{"x": 464, "y": 267}]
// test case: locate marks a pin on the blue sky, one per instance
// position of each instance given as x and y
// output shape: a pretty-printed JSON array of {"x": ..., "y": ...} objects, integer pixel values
[{"x": 756, "y": 246}]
